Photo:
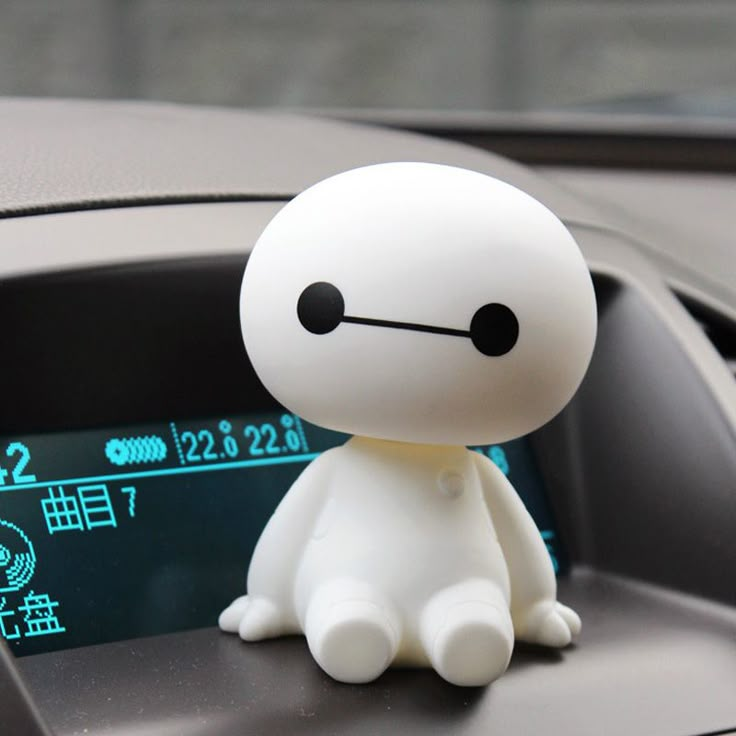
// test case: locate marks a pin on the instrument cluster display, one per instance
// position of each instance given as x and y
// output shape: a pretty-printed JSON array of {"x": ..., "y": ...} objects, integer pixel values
[{"x": 111, "y": 534}]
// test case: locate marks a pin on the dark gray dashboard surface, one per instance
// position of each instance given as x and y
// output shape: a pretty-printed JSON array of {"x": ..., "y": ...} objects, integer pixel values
[
  {"x": 648, "y": 663},
  {"x": 683, "y": 220},
  {"x": 62, "y": 155},
  {"x": 18, "y": 710}
]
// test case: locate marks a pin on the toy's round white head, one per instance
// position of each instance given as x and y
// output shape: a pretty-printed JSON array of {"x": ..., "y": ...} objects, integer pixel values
[{"x": 420, "y": 303}]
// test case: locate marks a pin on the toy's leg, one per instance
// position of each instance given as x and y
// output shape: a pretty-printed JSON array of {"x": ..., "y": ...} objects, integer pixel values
[
  {"x": 352, "y": 632},
  {"x": 467, "y": 633}
]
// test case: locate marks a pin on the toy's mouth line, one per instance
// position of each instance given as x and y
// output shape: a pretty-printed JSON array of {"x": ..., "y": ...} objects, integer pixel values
[{"x": 405, "y": 326}]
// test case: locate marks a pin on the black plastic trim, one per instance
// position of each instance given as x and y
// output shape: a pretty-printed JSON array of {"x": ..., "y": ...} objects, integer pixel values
[
  {"x": 621, "y": 150},
  {"x": 641, "y": 464},
  {"x": 152, "y": 201}
]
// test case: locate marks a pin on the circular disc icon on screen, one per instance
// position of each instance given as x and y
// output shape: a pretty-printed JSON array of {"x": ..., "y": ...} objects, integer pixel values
[{"x": 17, "y": 558}]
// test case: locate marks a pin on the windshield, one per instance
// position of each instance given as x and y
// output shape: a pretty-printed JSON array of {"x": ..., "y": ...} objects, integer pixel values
[{"x": 661, "y": 56}]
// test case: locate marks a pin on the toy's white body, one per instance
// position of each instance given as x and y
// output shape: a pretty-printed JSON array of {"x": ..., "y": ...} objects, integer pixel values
[
  {"x": 397, "y": 548},
  {"x": 402, "y": 537}
]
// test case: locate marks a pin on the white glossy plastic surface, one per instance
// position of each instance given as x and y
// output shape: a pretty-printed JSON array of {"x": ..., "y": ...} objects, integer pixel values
[{"x": 422, "y": 308}]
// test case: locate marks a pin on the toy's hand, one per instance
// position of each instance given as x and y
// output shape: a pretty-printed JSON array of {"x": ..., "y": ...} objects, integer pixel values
[
  {"x": 253, "y": 618},
  {"x": 549, "y": 623}
]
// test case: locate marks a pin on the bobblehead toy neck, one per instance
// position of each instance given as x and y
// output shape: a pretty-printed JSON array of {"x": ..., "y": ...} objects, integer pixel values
[{"x": 401, "y": 447}]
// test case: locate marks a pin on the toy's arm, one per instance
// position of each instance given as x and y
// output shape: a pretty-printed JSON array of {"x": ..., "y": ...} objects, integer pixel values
[
  {"x": 268, "y": 609},
  {"x": 535, "y": 612}
]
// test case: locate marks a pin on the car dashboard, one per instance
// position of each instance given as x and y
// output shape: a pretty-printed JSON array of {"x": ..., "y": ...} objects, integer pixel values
[{"x": 141, "y": 456}]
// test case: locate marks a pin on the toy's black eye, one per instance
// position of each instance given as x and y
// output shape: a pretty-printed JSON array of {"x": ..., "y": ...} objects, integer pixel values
[
  {"x": 494, "y": 329},
  {"x": 320, "y": 308}
]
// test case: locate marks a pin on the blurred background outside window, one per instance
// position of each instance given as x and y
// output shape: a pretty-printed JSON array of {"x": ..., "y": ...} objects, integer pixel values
[{"x": 652, "y": 56}]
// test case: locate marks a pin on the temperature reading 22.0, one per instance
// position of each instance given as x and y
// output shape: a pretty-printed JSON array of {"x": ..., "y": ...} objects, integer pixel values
[
  {"x": 226, "y": 442},
  {"x": 265, "y": 439}
]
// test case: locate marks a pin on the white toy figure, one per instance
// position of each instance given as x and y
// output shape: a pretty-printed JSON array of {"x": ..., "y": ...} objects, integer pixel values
[{"x": 421, "y": 308}]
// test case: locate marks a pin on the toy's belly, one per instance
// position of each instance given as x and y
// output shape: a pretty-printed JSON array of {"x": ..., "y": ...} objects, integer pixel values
[{"x": 409, "y": 529}]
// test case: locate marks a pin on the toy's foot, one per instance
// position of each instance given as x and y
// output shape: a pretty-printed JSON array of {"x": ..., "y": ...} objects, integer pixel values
[
  {"x": 351, "y": 640},
  {"x": 252, "y": 618},
  {"x": 549, "y": 623},
  {"x": 468, "y": 642},
  {"x": 229, "y": 619}
]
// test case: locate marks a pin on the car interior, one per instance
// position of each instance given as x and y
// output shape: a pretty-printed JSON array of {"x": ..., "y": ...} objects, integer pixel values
[{"x": 141, "y": 456}]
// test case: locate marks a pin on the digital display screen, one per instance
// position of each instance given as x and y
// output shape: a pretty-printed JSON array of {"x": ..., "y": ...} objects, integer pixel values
[{"x": 113, "y": 534}]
